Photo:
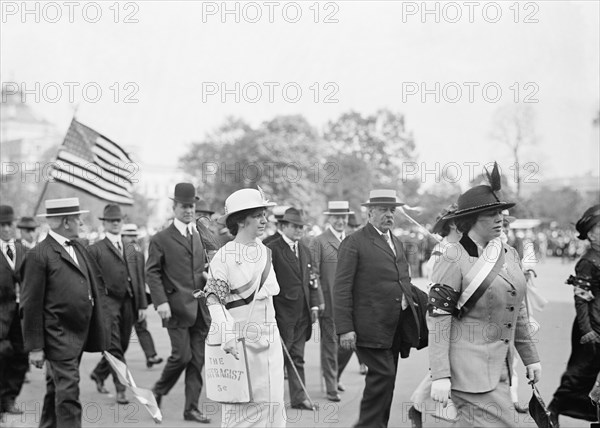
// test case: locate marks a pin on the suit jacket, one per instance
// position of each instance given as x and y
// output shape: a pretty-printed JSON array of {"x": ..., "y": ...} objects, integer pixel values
[
  {"x": 324, "y": 249},
  {"x": 272, "y": 237},
  {"x": 473, "y": 350},
  {"x": 293, "y": 276},
  {"x": 57, "y": 313},
  {"x": 174, "y": 271},
  {"x": 369, "y": 283},
  {"x": 118, "y": 271},
  {"x": 9, "y": 278}
]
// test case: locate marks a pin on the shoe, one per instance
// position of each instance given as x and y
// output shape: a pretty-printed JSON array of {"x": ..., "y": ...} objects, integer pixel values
[
  {"x": 99, "y": 384},
  {"x": 153, "y": 360},
  {"x": 363, "y": 369},
  {"x": 157, "y": 397},
  {"x": 415, "y": 417},
  {"x": 520, "y": 408},
  {"x": 196, "y": 415},
  {"x": 554, "y": 418},
  {"x": 11, "y": 409},
  {"x": 121, "y": 399},
  {"x": 333, "y": 396},
  {"x": 304, "y": 405},
  {"x": 341, "y": 387}
]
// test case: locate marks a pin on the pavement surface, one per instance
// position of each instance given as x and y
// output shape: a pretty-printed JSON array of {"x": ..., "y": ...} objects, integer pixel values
[{"x": 101, "y": 410}]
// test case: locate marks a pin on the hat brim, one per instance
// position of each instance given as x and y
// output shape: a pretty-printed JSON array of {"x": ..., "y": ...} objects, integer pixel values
[
  {"x": 223, "y": 218},
  {"x": 186, "y": 201},
  {"x": 480, "y": 209},
  {"x": 206, "y": 212},
  {"x": 110, "y": 218},
  {"x": 338, "y": 213},
  {"x": 439, "y": 225},
  {"x": 7, "y": 219},
  {"x": 387, "y": 204},
  {"x": 63, "y": 214}
]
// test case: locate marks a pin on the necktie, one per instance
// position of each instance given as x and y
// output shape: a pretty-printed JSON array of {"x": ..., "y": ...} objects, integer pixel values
[
  {"x": 387, "y": 239},
  {"x": 295, "y": 248},
  {"x": 118, "y": 245},
  {"x": 9, "y": 253}
]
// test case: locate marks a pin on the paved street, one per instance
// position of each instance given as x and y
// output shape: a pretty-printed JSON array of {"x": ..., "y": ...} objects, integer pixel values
[{"x": 101, "y": 410}]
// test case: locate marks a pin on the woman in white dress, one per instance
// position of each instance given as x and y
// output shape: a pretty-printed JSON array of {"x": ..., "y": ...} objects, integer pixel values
[{"x": 236, "y": 270}]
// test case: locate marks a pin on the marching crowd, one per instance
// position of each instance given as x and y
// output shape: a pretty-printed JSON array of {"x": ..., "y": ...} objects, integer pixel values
[{"x": 60, "y": 298}]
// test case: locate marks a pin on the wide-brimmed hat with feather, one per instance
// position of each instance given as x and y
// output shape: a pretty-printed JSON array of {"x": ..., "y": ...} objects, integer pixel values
[{"x": 483, "y": 197}]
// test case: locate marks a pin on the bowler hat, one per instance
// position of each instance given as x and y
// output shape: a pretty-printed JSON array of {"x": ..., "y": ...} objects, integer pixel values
[
  {"x": 244, "y": 199},
  {"x": 352, "y": 222},
  {"x": 185, "y": 193},
  {"x": 7, "y": 215},
  {"x": 202, "y": 207},
  {"x": 294, "y": 216},
  {"x": 588, "y": 220},
  {"x": 129, "y": 229},
  {"x": 442, "y": 218},
  {"x": 112, "y": 212},
  {"x": 62, "y": 207},
  {"x": 27, "y": 223},
  {"x": 338, "y": 208},
  {"x": 383, "y": 197}
]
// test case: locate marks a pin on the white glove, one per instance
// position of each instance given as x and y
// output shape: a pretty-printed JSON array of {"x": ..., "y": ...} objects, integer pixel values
[
  {"x": 440, "y": 390},
  {"x": 222, "y": 327},
  {"x": 534, "y": 372}
]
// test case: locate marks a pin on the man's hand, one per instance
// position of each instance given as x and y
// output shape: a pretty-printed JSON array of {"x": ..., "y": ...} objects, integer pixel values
[
  {"x": 591, "y": 337},
  {"x": 231, "y": 348},
  {"x": 348, "y": 340},
  {"x": 314, "y": 315},
  {"x": 164, "y": 310},
  {"x": 534, "y": 372},
  {"x": 440, "y": 390},
  {"x": 37, "y": 358},
  {"x": 141, "y": 315}
]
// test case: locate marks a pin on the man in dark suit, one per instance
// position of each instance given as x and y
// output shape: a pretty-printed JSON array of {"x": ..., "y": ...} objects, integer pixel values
[
  {"x": 374, "y": 309},
  {"x": 13, "y": 359},
  {"x": 173, "y": 271},
  {"x": 278, "y": 212},
  {"x": 61, "y": 307},
  {"x": 324, "y": 249},
  {"x": 126, "y": 301},
  {"x": 298, "y": 303}
]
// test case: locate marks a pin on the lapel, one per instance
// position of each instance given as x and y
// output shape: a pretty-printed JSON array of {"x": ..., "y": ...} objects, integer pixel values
[
  {"x": 380, "y": 242},
  {"x": 333, "y": 241},
  {"x": 290, "y": 257},
  {"x": 112, "y": 248},
  {"x": 4, "y": 261},
  {"x": 63, "y": 253},
  {"x": 20, "y": 250},
  {"x": 177, "y": 236}
]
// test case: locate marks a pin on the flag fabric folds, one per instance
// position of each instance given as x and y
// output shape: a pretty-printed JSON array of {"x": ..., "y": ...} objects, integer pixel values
[
  {"x": 144, "y": 396},
  {"x": 94, "y": 164}
]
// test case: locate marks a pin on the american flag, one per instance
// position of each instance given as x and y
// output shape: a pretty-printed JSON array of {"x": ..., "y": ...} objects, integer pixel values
[{"x": 91, "y": 162}]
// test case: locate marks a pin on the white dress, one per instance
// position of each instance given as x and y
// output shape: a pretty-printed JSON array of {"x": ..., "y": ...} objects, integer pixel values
[{"x": 238, "y": 264}]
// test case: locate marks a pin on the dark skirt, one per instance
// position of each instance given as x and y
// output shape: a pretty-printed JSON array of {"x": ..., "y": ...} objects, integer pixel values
[{"x": 572, "y": 396}]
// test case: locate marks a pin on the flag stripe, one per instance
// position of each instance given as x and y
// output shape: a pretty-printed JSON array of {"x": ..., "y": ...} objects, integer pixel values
[
  {"x": 90, "y": 189},
  {"x": 94, "y": 173},
  {"x": 109, "y": 156},
  {"x": 111, "y": 148},
  {"x": 108, "y": 141},
  {"x": 66, "y": 174},
  {"x": 114, "y": 169}
]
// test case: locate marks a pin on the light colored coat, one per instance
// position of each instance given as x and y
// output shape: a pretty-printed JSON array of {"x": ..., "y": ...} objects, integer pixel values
[{"x": 472, "y": 351}]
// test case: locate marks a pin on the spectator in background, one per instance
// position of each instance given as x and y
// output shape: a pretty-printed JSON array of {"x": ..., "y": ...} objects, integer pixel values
[{"x": 28, "y": 228}]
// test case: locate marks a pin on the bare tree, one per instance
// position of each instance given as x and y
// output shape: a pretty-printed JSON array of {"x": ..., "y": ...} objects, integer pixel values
[{"x": 514, "y": 126}]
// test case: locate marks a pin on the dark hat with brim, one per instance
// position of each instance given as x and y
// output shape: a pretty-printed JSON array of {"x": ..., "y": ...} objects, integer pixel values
[
  {"x": 111, "y": 212},
  {"x": 62, "y": 207},
  {"x": 588, "y": 220},
  {"x": 185, "y": 193},
  {"x": 27, "y": 223},
  {"x": 7, "y": 214},
  {"x": 386, "y": 197},
  {"x": 293, "y": 216},
  {"x": 352, "y": 222},
  {"x": 442, "y": 218},
  {"x": 477, "y": 200},
  {"x": 202, "y": 207}
]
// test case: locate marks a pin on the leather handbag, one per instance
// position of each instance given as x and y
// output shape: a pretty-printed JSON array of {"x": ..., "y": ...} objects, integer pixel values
[{"x": 538, "y": 410}]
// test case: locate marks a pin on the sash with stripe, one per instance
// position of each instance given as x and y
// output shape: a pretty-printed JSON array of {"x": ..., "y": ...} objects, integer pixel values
[
  {"x": 240, "y": 295},
  {"x": 481, "y": 275}
]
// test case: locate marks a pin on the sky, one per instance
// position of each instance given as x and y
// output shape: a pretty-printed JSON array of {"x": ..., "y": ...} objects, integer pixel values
[{"x": 176, "y": 59}]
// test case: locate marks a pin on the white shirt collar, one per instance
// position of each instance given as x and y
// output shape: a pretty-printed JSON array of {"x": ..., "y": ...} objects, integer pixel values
[
  {"x": 113, "y": 238},
  {"x": 9, "y": 243},
  {"x": 337, "y": 234},
  {"x": 59, "y": 238},
  {"x": 181, "y": 226},
  {"x": 381, "y": 233},
  {"x": 288, "y": 240}
]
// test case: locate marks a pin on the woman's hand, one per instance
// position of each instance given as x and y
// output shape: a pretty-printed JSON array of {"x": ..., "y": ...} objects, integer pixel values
[
  {"x": 231, "y": 348},
  {"x": 534, "y": 372},
  {"x": 440, "y": 390}
]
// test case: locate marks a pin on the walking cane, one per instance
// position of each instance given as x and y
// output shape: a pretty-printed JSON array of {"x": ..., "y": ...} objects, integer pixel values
[{"x": 289, "y": 357}]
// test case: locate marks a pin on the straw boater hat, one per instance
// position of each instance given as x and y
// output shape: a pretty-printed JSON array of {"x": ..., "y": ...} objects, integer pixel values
[
  {"x": 588, "y": 220},
  {"x": 338, "y": 208},
  {"x": 383, "y": 197},
  {"x": 111, "y": 212},
  {"x": 185, "y": 193},
  {"x": 482, "y": 198},
  {"x": 27, "y": 223},
  {"x": 62, "y": 207},
  {"x": 202, "y": 207},
  {"x": 293, "y": 216},
  {"x": 7, "y": 215},
  {"x": 442, "y": 218},
  {"x": 244, "y": 199},
  {"x": 129, "y": 229}
]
